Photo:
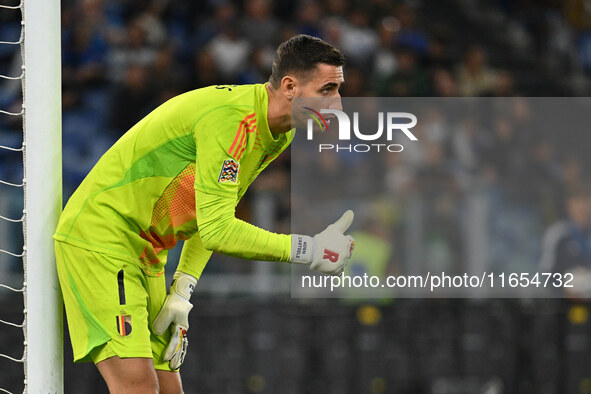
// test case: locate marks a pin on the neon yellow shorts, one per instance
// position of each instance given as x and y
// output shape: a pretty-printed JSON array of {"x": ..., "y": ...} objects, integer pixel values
[{"x": 110, "y": 305}]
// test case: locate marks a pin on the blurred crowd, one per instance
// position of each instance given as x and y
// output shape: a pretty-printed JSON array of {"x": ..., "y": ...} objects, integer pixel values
[{"x": 121, "y": 59}]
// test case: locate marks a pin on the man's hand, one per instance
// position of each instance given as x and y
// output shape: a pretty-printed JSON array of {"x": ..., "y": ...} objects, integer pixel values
[
  {"x": 174, "y": 316},
  {"x": 327, "y": 252}
]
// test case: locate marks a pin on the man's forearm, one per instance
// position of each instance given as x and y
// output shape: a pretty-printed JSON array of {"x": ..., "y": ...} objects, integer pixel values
[
  {"x": 194, "y": 257},
  {"x": 222, "y": 232}
]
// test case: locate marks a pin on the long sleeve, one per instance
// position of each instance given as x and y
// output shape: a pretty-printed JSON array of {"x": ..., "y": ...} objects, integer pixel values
[
  {"x": 194, "y": 257},
  {"x": 222, "y": 232}
]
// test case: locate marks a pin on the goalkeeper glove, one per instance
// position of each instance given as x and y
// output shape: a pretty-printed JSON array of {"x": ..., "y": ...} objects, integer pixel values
[
  {"x": 174, "y": 316},
  {"x": 327, "y": 252}
]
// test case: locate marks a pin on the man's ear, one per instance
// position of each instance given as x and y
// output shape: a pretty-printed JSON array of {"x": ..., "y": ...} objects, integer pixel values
[{"x": 288, "y": 86}]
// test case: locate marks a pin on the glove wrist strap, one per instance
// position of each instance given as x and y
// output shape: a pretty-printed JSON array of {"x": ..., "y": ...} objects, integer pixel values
[
  {"x": 183, "y": 284},
  {"x": 302, "y": 249}
]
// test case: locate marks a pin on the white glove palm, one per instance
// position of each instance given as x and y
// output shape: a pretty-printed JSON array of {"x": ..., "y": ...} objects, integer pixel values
[
  {"x": 327, "y": 252},
  {"x": 174, "y": 316}
]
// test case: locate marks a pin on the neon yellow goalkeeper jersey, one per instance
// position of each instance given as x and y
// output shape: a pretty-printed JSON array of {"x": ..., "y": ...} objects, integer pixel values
[{"x": 178, "y": 174}]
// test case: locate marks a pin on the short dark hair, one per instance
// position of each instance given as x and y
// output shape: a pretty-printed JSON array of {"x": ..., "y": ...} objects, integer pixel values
[{"x": 302, "y": 53}]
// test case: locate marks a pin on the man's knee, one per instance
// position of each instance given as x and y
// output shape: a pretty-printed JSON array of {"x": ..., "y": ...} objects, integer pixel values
[
  {"x": 169, "y": 382},
  {"x": 138, "y": 383},
  {"x": 129, "y": 375}
]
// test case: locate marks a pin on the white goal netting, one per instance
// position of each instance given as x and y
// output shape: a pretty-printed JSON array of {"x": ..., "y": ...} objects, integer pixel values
[
  {"x": 30, "y": 196},
  {"x": 12, "y": 249}
]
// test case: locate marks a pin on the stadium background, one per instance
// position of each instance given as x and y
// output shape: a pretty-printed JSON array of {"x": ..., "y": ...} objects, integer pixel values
[{"x": 123, "y": 58}]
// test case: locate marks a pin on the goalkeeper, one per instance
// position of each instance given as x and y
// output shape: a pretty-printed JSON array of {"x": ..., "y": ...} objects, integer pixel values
[{"x": 178, "y": 174}]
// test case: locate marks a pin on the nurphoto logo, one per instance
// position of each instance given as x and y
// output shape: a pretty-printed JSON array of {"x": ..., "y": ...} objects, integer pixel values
[{"x": 395, "y": 123}]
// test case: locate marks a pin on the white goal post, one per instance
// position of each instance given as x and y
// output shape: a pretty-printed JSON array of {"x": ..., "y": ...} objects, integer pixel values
[{"x": 43, "y": 355}]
